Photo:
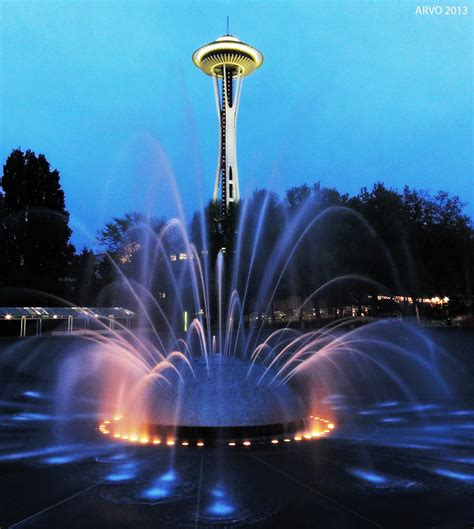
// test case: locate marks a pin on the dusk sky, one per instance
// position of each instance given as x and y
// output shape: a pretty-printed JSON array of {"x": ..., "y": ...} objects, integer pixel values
[{"x": 350, "y": 93}]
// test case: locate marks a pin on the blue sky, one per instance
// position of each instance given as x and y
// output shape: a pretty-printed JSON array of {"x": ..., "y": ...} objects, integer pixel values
[{"x": 349, "y": 93}]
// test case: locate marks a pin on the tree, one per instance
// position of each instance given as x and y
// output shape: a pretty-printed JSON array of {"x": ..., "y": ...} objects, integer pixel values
[
  {"x": 440, "y": 243},
  {"x": 213, "y": 231},
  {"x": 133, "y": 249},
  {"x": 324, "y": 235},
  {"x": 260, "y": 228},
  {"x": 384, "y": 237},
  {"x": 84, "y": 278},
  {"x": 125, "y": 238},
  {"x": 34, "y": 228}
]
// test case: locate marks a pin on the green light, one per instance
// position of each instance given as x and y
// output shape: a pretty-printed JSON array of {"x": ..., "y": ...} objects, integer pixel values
[{"x": 185, "y": 321}]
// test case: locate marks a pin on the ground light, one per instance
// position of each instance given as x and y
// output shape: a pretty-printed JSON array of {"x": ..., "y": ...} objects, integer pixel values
[{"x": 117, "y": 430}]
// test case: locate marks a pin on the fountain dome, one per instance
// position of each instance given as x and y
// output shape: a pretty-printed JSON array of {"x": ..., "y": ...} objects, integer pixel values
[{"x": 224, "y": 393}]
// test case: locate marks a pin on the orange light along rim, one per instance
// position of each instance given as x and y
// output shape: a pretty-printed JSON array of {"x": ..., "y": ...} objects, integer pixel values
[{"x": 316, "y": 428}]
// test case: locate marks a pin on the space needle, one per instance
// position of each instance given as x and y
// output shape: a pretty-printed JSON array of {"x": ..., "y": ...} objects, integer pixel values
[{"x": 227, "y": 60}]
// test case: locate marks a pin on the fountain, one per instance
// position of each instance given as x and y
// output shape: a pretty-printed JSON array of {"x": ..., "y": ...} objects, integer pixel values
[{"x": 196, "y": 372}]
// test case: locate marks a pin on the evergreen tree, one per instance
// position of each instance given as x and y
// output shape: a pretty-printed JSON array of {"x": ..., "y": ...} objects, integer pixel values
[{"x": 34, "y": 230}]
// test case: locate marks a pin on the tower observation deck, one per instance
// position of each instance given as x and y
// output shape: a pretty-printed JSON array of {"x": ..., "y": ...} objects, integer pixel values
[{"x": 227, "y": 60}]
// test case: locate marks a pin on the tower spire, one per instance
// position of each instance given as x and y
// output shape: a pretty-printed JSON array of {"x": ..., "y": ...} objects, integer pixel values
[{"x": 227, "y": 60}]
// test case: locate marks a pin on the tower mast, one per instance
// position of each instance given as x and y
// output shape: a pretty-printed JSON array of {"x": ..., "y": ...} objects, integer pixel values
[{"x": 227, "y": 60}]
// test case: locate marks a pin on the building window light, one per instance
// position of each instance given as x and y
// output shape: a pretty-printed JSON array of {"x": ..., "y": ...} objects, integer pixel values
[
  {"x": 183, "y": 256},
  {"x": 173, "y": 257}
]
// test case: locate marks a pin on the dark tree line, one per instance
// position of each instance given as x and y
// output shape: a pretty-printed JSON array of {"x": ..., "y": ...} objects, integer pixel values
[
  {"x": 350, "y": 249},
  {"x": 317, "y": 244}
]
